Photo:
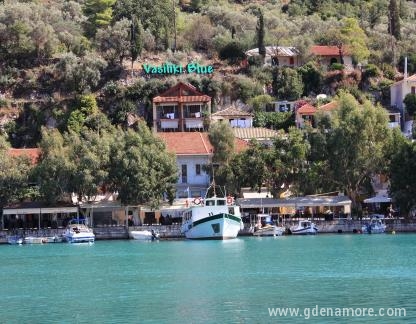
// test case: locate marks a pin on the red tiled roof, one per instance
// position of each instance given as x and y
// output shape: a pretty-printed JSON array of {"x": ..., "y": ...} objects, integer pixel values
[
  {"x": 327, "y": 50},
  {"x": 307, "y": 109},
  {"x": 411, "y": 78},
  {"x": 187, "y": 143},
  {"x": 182, "y": 92},
  {"x": 193, "y": 143},
  {"x": 329, "y": 106},
  {"x": 32, "y": 153}
]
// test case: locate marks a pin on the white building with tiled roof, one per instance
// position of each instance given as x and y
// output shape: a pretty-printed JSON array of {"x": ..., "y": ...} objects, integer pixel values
[
  {"x": 193, "y": 151},
  {"x": 235, "y": 117},
  {"x": 278, "y": 56},
  {"x": 400, "y": 89}
]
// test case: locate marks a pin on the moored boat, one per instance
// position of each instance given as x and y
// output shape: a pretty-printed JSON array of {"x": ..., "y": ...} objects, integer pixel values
[
  {"x": 375, "y": 226},
  {"x": 215, "y": 218},
  {"x": 265, "y": 226},
  {"x": 144, "y": 235},
  {"x": 78, "y": 232},
  {"x": 35, "y": 240},
  {"x": 304, "y": 227}
]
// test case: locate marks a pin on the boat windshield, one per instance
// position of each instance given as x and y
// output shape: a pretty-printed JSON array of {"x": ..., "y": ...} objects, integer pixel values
[{"x": 215, "y": 202}]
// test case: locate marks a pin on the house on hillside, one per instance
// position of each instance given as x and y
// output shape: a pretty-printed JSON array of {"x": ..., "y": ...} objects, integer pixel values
[
  {"x": 278, "y": 56},
  {"x": 400, "y": 89},
  {"x": 234, "y": 116},
  {"x": 305, "y": 116},
  {"x": 328, "y": 55},
  {"x": 281, "y": 106},
  {"x": 180, "y": 108},
  {"x": 193, "y": 151}
]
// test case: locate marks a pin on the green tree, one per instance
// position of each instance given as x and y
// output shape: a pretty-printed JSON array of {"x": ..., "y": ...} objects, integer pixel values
[
  {"x": 53, "y": 171},
  {"x": 99, "y": 14},
  {"x": 86, "y": 107},
  {"x": 156, "y": 16},
  {"x": 394, "y": 19},
  {"x": 80, "y": 74},
  {"x": 260, "y": 33},
  {"x": 287, "y": 84},
  {"x": 232, "y": 52},
  {"x": 114, "y": 42},
  {"x": 356, "y": 144},
  {"x": 260, "y": 102},
  {"x": 311, "y": 78},
  {"x": 355, "y": 39},
  {"x": 136, "y": 40},
  {"x": 402, "y": 175},
  {"x": 410, "y": 103},
  {"x": 286, "y": 161},
  {"x": 141, "y": 170},
  {"x": 14, "y": 175},
  {"x": 89, "y": 151},
  {"x": 222, "y": 139}
]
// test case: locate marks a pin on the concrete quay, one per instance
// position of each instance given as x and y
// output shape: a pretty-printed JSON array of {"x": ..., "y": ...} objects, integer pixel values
[{"x": 167, "y": 232}]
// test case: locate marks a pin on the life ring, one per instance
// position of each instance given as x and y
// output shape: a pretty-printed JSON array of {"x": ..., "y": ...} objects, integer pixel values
[
  {"x": 229, "y": 200},
  {"x": 197, "y": 201}
]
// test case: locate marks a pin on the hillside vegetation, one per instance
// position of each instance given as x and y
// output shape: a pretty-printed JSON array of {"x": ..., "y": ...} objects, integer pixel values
[{"x": 51, "y": 52}]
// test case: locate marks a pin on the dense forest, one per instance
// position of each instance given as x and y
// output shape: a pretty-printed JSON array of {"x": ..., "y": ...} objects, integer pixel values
[{"x": 69, "y": 68}]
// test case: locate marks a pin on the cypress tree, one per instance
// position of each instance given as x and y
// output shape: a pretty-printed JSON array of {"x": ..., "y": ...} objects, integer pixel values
[
  {"x": 394, "y": 19},
  {"x": 135, "y": 40},
  {"x": 260, "y": 34}
]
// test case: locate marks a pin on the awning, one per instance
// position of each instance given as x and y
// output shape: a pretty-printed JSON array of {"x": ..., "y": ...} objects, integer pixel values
[
  {"x": 377, "y": 199},
  {"x": 295, "y": 202},
  {"x": 46, "y": 210}
]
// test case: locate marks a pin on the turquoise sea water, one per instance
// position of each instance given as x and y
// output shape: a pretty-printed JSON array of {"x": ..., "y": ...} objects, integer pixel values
[{"x": 232, "y": 281}]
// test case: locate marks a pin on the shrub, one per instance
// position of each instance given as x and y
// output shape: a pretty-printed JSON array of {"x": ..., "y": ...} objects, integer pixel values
[
  {"x": 232, "y": 52},
  {"x": 371, "y": 71},
  {"x": 336, "y": 67}
]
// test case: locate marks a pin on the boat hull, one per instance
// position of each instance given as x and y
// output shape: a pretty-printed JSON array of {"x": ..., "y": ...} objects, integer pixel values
[
  {"x": 373, "y": 230},
  {"x": 216, "y": 227},
  {"x": 269, "y": 231},
  {"x": 144, "y": 235},
  {"x": 78, "y": 239},
  {"x": 305, "y": 231}
]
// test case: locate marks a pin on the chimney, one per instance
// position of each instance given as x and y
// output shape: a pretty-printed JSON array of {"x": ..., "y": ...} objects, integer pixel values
[{"x": 405, "y": 67}]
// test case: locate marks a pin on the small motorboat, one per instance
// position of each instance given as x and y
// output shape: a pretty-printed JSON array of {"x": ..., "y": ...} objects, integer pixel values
[
  {"x": 376, "y": 225},
  {"x": 265, "y": 226},
  {"x": 78, "y": 232},
  {"x": 35, "y": 240},
  {"x": 304, "y": 227},
  {"x": 144, "y": 235}
]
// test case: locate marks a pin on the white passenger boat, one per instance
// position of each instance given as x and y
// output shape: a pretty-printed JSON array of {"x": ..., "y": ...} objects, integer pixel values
[
  {"x": 265, "y": 227},
  {"x": 78, "y": 232},
  {"x": 304, "y": 227},
  {"x": 376, "y": 225},
  {"x": 215, "y": 218},
  {"x": 144, "y": 235}
]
